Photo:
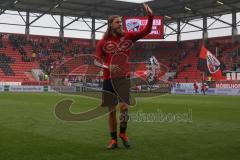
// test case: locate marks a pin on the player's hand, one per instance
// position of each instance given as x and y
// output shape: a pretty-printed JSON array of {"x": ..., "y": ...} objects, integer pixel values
[
  {"x": 114, "y": 68},
  {"x": 147, "y": 9}
]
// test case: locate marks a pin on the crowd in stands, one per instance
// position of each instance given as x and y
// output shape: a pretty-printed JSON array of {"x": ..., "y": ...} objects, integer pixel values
[
  {"x": 142, "y": 52},
  {"x": 1, "y": 41},
  {"x": 50, "y": 54},
  {"x": 227, "y": 51},
  {"x": 5, "y": 64}
]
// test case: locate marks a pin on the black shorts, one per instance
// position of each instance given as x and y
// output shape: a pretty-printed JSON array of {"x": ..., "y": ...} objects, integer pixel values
[{"x": 116, "y": 90}]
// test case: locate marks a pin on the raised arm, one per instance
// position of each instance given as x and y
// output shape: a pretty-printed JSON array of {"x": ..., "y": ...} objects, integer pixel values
[
  {"x": 147, "y": 9},
  {"x": 140, "y": 34}
]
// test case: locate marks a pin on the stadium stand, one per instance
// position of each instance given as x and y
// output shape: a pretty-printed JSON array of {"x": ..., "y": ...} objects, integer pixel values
[{"x": 20, "y": 54}]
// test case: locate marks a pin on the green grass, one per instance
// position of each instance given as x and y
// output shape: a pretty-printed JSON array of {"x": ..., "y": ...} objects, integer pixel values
[{"x": 30, "y": 130}]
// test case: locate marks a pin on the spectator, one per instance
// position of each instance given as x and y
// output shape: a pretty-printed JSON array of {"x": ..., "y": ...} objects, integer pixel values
[{"x": 33, "y": 56}]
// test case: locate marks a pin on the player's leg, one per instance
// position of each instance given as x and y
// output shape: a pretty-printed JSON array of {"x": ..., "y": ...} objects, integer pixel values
[
  {"x": 124, "y": 117},
  {"x": 110, "y": 100},
  {"x": 122, "y": 90},
  {"x": 112, "y": 122}
]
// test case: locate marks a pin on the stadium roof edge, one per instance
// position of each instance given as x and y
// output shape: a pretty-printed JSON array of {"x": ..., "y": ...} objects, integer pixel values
[{"x": 173, "y": 9}]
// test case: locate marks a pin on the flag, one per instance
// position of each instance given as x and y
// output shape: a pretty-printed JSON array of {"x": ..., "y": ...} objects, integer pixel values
[{"x": 209, "y": 64}]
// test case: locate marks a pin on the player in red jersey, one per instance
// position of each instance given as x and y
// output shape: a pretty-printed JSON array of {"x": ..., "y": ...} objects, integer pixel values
[
  {"x": 195, "y": 86},
  {"x": 112, "y": 52},
  {"x": 203, "y": 88}
]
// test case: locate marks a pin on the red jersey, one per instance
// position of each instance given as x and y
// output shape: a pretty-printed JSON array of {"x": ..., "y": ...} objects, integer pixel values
[
  {"x": 116, "y": 50},
  {"x": 204, "y": 87},
  {"x": 195, "y": 86}
]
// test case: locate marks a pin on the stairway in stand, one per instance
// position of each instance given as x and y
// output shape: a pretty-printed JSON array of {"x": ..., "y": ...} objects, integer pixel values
[{"x": 192, "y": 73}]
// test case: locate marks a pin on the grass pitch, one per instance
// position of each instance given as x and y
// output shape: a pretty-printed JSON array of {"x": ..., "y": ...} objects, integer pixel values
[{"x": 211, "y": 130}]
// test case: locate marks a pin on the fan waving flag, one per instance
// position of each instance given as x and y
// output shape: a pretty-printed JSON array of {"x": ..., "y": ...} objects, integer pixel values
[{"x": 210, "y": 64}]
